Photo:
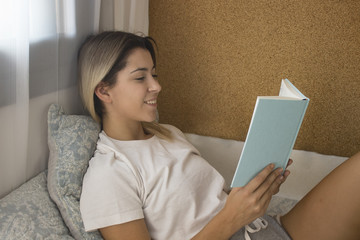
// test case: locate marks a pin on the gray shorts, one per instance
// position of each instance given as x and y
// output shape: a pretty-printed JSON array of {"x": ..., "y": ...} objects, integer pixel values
[{"x": 273, "y": 231}]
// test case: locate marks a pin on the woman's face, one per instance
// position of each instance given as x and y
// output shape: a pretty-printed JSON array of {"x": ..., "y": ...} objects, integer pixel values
[{"x": 134, "y": 96}]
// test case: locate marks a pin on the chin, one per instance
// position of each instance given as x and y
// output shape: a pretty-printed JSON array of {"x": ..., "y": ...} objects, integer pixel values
[
  {"x": 149, "y": 116},
  {"x": 150, "y": 119}
]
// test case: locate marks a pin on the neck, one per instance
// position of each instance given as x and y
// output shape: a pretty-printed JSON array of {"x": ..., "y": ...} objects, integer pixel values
[{"x": 125, "y": 131}]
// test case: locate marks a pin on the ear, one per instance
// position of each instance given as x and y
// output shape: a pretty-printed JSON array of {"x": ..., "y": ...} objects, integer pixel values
[{"x": 101, "y": 92}]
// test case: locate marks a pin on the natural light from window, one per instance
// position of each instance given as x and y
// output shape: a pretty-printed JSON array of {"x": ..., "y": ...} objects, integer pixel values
[
  {"x": 66, "y": 21},
  {"x": 42, "y": 20},
  {"x": 7, "y": 14}
]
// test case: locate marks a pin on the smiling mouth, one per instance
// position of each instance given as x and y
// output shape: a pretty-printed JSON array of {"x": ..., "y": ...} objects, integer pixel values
[{"x": 151, "y": 102}]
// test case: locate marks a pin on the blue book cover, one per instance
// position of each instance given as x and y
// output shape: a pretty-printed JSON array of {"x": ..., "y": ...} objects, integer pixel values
[{"x": 272, "y": 133}]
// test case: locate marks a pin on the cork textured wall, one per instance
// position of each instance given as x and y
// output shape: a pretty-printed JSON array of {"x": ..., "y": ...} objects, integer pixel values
[{"x": 215, "y": 57}]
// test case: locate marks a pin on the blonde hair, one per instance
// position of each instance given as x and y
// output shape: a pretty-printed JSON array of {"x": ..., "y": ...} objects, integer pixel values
[{"x": 100, "y": 58}]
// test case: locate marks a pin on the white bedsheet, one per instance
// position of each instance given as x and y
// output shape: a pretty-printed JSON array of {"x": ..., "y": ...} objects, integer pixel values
[{"x": 307, "y": 170}]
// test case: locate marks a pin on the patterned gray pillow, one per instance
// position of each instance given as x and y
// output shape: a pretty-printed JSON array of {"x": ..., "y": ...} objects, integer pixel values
[
  {"x": 72, "y": 142},
  {"x": 29, "y": 213}
]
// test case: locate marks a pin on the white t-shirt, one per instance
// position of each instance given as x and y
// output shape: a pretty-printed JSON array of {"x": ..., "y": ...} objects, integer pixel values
[{"x": 165, "y": 182}]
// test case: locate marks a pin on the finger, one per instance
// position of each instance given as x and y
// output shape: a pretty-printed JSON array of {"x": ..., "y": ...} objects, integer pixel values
[
  {"x": 285, "y": 175},
  {"x": 289, "y": 163},
  {"x": 269, "y": 187},
  {"x": 266, "y": 185},
  {"x": 260, "y": 178},
  {"x": 277, "y": 179},
  {"x": 275, "y": 188}
]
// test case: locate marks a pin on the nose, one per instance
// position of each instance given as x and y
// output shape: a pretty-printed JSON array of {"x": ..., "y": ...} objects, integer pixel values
[{"x": 154, "y": 85}]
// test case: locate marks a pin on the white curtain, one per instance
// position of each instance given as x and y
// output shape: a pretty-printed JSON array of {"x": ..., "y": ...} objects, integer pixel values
[
  {"x": 39, "y": 40},
  {"x": 125, "y": 15}
]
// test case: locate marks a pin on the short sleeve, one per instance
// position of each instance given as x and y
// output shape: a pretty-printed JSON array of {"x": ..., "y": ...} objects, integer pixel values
[{"x": 110, "y": 193}]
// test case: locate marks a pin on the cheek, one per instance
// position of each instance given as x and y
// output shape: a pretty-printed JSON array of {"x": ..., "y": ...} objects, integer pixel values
[
  {"x": 137, "y": 94},
  {"x": 130, "y": 95},
  {"x": 131, "y": 98}
]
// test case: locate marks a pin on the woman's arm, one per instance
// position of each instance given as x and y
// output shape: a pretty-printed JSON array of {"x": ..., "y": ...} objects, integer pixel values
[{"x": 134, "y": 230}]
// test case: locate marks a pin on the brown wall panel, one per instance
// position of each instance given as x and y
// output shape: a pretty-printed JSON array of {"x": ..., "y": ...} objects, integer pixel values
[{"x": 215, "y": 57}]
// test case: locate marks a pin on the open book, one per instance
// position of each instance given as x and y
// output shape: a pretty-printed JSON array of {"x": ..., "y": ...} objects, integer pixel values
[{"x": 272, "y": 133}]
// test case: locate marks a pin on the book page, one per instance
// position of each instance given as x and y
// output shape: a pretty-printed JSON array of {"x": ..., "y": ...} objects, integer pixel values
[{"x": 289, "y": 90}]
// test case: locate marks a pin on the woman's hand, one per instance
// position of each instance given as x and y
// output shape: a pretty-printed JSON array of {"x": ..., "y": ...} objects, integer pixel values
[{"x": 247, "y": 203}]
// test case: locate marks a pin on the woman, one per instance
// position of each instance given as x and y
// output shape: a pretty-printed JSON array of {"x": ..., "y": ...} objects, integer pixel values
[{"x": 146, "y": 181}]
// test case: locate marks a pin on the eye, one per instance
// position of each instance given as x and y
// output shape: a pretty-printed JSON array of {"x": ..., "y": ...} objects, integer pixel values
[
  {"x": 140, "y": 78},
  {"x": 155, "y": 76}
]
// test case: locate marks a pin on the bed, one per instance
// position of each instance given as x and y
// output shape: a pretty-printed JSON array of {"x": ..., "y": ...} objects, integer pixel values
[{"x": 47, "y": 206}]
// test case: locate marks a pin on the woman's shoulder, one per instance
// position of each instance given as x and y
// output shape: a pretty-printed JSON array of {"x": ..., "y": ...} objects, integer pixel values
[{"x": 108, "y": 168}]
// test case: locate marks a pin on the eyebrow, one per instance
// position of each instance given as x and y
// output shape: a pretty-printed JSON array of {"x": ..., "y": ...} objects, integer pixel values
[{"x": 141, "y": 69}]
